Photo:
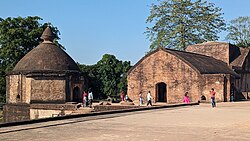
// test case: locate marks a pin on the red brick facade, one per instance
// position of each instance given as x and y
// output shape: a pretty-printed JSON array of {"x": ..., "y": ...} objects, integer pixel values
[
  {"x": 236, "y": 57},
  {"x": 168, "y": 77}
]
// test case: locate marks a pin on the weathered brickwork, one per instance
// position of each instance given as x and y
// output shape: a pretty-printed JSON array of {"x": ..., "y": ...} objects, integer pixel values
[
  {"x": 236, "y": 58},
  {"x": 178, "y": 76},
  {"x": 217, "y": 50},
  {"x": 18, "y": 89},
  {"x": 48, "y": 90},
  {"x": 220, "y": 83},
  {"x": 28, "y": 89},
  {"x": 40, "y": 113},
  {"x": 45, "y": 75},
  {"x": 25, "y": 89},
  {"x": 244, "y": 82},
  {"x": 16, "y": 112},
  {"x": 13, "y": 90}
]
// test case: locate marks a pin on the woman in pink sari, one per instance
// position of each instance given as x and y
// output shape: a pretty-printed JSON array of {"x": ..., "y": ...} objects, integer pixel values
[{"x": 186, "y": 98}]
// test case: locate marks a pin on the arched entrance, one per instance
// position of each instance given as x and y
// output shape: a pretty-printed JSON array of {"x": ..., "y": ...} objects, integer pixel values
[
  {"x": 76, "y": 94},
  {"x": 161, "y": 92}
]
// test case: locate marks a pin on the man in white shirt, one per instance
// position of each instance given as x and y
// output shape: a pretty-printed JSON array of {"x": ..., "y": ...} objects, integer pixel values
[
  {"x": 149, "y": 98},
  {"x": 90, "y": 97}
]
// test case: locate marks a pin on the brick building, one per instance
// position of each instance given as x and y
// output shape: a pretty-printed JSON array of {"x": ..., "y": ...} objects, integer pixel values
[
  {"x": 168, "y": 74},
  {"x": 42, "y": 83},
  {"x": 237, "y": 58}
]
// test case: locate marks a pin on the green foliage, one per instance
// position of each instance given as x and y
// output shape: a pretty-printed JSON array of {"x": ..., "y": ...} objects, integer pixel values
[
  {"x": 239, "y": 31},
  {"x": 17, "y": 37},
  {"x": 92, "y": 81},
  {"x": 107, "y": 77},
  {"x": 179, "y": 23}
]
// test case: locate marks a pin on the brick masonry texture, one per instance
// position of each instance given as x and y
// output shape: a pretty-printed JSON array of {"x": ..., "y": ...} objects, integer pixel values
[{"x": 179, "y": 77}]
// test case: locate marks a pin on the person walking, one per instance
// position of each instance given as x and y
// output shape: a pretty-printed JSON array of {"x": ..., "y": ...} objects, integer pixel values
[
  {"x": 186, "y": 98},
  {"x": 140, "y": 99},
  {"x": 84, "y": 99},
  {"x": 232, "y": 92},
  {"x": 212, "y": 93},
  {"x": 126, "y": 98},
  {"x": 122, "y": 95},
  {"x": 90, "y": 98},
  {"x": 149, "y": 98}
]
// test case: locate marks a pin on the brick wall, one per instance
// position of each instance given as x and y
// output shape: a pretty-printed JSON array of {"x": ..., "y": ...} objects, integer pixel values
[
  {"x": 16, "y": 112},
  {"x": 167, "y": 68},
  {"x": 48, "y": 89},
  {"x": 216, "y": 81},
  {"x": 218, "y": 50},
  {"x": 178, "y": 77}
]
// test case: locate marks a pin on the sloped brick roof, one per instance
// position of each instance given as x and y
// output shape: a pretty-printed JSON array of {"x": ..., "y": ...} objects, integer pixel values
[
  {"x": 239, "y": 61},
  {"x": 236, "y": 57},
  {"x": 204, "y": 64},
  {"x": 201, "y": 63}
]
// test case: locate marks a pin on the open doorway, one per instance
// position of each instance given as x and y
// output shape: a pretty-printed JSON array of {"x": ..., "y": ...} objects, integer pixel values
[
  {"x": 76, "y": 94},
  {"x": 161, "y": 92}
]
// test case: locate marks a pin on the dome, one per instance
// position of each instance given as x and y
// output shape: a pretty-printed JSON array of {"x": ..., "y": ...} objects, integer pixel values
[{"x": 47, "y": 56}]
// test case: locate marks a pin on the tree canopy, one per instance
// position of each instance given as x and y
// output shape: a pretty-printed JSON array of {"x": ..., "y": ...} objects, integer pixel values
[
  {"x": 17, "y": 37},
  {"x": 179, "y": 23},
  {"x": 107, "y": 78},
  {"x": 239, "y": 31}
]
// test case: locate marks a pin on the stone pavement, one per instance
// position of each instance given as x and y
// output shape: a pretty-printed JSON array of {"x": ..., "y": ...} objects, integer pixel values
[{"x": 228, "y": 121}]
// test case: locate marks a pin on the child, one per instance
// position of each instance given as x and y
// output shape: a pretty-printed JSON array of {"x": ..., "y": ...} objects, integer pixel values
[
  {"x": 186, "y": 98},
  {"x": 126, "y": 98},
  {"x": 140, "y": 99},
  {"x": 85, "y": 99}
]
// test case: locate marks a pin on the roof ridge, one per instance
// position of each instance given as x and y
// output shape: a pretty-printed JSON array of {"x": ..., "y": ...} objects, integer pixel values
[{"x": 189, "y": 53}]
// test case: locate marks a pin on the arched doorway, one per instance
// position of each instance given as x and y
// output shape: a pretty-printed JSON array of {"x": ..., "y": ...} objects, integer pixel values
[
  {"x": 76, "y": 94},
  {"x": 161, "y": 92}
]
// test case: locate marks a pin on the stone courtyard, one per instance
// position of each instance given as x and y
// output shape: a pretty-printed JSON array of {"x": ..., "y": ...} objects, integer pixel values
[{"x": 228, "y": 121}]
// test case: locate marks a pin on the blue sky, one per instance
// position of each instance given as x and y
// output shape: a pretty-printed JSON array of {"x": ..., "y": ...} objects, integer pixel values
[{"x": 92, "y": 28}]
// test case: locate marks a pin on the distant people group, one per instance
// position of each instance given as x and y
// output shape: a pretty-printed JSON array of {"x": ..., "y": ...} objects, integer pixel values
[
  {"x": 87, "y": 98},
  {"x": 124, "y": 97},
  {"x": 149, "y": 99},
  {"x": 212, "y": 96}
]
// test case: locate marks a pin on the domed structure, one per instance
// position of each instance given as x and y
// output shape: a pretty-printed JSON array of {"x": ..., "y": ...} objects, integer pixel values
[
  {"x": 46, "y": 57},
  {"x": 45, "y": 75}
]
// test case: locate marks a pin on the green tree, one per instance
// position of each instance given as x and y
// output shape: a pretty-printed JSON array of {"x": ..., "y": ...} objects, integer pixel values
[
  {"x": 17, "y": 37},
  {"x": 179, "y": 23},
  {"x": 92, "y": 79},
  {"x": 122, "y": 83},
  {"x": 107, "y": 78},
  {"x": 239, "y": 31}
]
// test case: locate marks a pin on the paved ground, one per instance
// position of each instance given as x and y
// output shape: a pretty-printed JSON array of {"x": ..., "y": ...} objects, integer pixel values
[{"x": 228, "y": 121}]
